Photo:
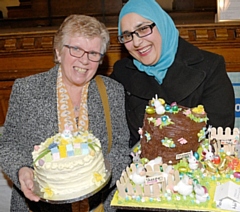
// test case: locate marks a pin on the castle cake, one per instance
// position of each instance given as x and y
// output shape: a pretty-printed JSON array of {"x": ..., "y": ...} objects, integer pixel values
[
  {"x": 68, "y": 164},
  {"x": 205, "y": 178},
  {"x": 171, "y": 131}
]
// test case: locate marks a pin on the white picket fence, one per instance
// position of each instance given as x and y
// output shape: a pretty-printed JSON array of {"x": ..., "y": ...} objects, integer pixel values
[
  {"x": 226, "y": 139},
  {"x": 155, "y": 185}
]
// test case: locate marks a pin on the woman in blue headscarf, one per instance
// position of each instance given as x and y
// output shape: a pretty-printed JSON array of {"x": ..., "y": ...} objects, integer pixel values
[{"x": 163, "y": 63}]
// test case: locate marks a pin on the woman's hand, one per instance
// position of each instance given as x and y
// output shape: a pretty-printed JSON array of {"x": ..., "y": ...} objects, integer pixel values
[{"x": 25, "y": 176}]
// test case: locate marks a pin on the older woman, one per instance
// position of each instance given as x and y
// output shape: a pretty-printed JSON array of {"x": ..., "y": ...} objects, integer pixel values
[
  {"x": 163, "y": 63},
  {"x": 35, "y": 104}
]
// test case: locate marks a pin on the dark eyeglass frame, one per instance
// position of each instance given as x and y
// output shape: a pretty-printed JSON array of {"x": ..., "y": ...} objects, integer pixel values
[
  {"x": 120, "y": 37},
  {"x": 75, "y": 47}
]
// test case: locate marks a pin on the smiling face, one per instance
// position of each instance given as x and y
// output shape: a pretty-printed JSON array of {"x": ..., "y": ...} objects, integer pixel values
[
  {"x": 78, "y": 71},
  {"x": 146, "y": 50}
]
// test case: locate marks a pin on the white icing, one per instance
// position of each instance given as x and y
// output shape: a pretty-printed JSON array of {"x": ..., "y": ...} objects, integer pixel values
[{"x": 71, "y": 174}]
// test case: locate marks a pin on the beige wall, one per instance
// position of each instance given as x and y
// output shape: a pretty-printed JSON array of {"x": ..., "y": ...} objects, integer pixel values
[{"x": 5, "y": 3}]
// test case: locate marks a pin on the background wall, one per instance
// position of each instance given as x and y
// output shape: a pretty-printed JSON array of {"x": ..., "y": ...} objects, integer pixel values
[
  {"x": 5, "y": 3},
  {"x": 35, "y": 13}
]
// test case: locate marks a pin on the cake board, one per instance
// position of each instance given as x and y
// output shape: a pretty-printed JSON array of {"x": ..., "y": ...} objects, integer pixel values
[
  {"x": 70, "y": 198},
  {"x": 117, "y": 203}
]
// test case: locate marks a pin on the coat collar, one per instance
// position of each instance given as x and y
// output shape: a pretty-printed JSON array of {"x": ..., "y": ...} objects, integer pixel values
[{"x": 180, "y": 81}]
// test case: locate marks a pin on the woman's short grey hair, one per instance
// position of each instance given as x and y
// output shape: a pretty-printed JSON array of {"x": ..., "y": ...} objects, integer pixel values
[{"x": 84, "y": 26}]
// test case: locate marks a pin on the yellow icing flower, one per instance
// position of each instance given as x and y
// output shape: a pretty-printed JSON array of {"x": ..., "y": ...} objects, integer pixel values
[
  {"x": 92, "y": 153},
  {"x": 47, "y": 192},
  {"x": 63, "y": 141},
  {"x": 199, "y": 109},
  {"x": 78, "y": 140},
  {"x": 97, "y": 177},
  {"x": 85, "y": 133}
]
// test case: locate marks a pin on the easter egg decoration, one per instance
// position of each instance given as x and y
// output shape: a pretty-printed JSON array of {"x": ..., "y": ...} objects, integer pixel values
[{"x": 150, "y": 110}]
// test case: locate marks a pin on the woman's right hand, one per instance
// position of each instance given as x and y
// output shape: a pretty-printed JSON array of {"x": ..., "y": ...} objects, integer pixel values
[{"x": 25, "y": 176}]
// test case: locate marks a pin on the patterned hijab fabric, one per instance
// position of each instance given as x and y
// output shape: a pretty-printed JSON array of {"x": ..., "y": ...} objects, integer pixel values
[{"x": 152, "y": 11}]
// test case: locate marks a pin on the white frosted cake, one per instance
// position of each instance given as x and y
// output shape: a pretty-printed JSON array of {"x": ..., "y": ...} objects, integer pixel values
[{"x": 67, "y": 164}]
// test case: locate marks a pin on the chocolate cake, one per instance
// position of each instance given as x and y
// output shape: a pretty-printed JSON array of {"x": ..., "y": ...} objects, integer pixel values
[{"x": 171, "y": 131}]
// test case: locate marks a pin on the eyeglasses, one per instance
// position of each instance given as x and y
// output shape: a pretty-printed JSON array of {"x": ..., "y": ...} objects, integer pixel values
[
  {"x": 79, "y": 52},
  {"x": 140, "y": 32}
]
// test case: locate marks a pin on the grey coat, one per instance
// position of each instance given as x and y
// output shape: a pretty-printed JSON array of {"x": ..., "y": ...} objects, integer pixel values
[{"x": 32, "y": 117}]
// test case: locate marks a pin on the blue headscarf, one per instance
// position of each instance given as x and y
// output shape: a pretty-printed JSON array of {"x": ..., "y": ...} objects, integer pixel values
[{"x": 152, "y": 11}]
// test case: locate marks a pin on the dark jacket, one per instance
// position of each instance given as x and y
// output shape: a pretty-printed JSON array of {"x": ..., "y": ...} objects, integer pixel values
[
  {"x": 32, "y": 118},
  {"x": 195, "y": 77}
]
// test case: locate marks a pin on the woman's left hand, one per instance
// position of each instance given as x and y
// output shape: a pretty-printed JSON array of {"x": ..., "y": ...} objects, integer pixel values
[{"x": 25, "y": 176}]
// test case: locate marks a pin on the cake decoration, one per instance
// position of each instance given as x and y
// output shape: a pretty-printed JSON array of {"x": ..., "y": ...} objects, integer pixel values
[
  {"x": 178, "y": 128},
  {"x": 66, "y": 144},
  {"x": 158, "y": 104},
  {"x": 227, "y": 196},
  {"x": 183, "y": 165},
  {"x": 193, "y": 179},
  {"x": 168, "y": 142},
  {"x": 192, "y": 162},
  {"x": 68, "y": 164},
  {"x": 182, "y": 141}
]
